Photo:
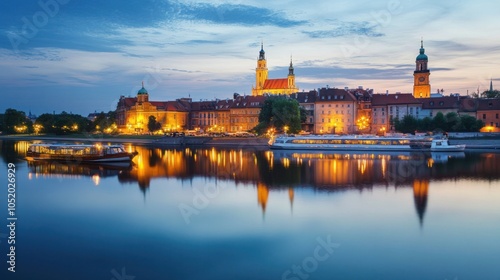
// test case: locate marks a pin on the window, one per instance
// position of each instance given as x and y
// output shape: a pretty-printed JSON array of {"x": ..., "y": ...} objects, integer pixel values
[
  {"x": 374, "y": 109},
  {"x": 329, "y": 97},
  {"x": 496, "y": 116},
  {"x": 322, "y": 105},
  {"x": 322, "y": 120},
  {"x": 329, "y": 105},
  {"x": 484, "y": 116}
]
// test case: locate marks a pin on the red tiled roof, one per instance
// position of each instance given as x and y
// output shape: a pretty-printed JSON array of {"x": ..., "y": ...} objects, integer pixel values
[
  {"x": 249, "y": 101},
  {"x": 445, "y": 102},
  {"x": 334, "y": 94},
  {"x": 224, "y": 104},
  {"x": 488, "y": 104},
  {"x": 304, "y": 97},
  {"x": 169, "y": 106},
  {"x": 394, "y": 99},
  {"x": 203, "y": 106},
  {"x": 275, "y": 84}
]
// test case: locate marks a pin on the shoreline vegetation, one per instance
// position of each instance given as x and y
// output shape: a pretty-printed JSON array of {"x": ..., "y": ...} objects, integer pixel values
[{"x": 229, "y": 142}]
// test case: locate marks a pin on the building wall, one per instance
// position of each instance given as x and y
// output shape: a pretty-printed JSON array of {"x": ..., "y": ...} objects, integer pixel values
[{"x": 334, "y": 116}]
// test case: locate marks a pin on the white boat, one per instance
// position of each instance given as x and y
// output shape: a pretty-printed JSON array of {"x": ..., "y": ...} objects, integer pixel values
[
  {"x": 78, "y": 153},
  {"x": 363, "y": 143}
]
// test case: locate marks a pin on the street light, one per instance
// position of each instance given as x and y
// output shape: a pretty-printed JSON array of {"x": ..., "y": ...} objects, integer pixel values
[{"x": 286, "y": 128}]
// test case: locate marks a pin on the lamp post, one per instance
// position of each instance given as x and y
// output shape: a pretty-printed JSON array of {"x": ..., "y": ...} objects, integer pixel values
[{"x": 286, "y": 129}]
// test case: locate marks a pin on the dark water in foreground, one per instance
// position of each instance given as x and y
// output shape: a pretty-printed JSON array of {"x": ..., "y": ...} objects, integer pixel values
[{"x": 244, "y": 214}]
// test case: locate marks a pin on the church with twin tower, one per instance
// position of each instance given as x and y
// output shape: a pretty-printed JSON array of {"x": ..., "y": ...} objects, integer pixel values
[{"x": 263, "y": 85}]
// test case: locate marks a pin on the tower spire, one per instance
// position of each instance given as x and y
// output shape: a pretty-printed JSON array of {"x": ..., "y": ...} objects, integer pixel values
[
  {"x": 262, "y": 53},
  {"x": 491, "y": 84},
  {"x": 142, "y": 84}
]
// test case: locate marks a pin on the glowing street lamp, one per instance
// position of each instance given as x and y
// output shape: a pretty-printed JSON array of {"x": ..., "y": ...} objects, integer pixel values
[{"x": 285, "y": 128}]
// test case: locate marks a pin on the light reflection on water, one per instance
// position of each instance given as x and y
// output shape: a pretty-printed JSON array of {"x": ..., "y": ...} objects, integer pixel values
[{"x": 253, "y": 214}]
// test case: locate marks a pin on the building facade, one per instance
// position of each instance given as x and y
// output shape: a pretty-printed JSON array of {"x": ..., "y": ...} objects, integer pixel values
[
  {"x": 388, "y": 107},
  {"x": 132, "y": 113},
  {"x": 489, "y": 112},
  {"x": 335, "y": 111}
]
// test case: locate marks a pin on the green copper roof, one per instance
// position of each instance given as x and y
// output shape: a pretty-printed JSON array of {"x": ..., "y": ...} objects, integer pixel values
[
  {"x": 422, "y": 55},
  {"x": 142, "y": 91}
]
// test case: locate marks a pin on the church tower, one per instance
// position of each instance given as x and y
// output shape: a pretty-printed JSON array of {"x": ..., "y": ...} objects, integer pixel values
[
  {"x": 142, "y": 95},
  {"x": 421, "y": 84},
  {"x": 261, "y": 70},
  {"x": 291, "y": 76}
]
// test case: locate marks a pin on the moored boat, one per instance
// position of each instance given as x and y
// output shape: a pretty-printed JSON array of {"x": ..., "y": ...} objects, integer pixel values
[
  {"x": 363, "y": 143},
  {"x": 78, "y": 153}
]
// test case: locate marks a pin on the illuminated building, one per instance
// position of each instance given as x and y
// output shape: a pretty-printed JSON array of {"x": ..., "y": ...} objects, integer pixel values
[
  {"x": 421, "y": 84},
  {"x": 488, "y": 110},
  {"x": 244, "y": 113},
  {"x": 335, "y": 111},
  {"x": 132, "y": 113},
  {"x": 306, "y": 101},
  {"x": 222, "y": 108},
  {"x": 264, "y": 85},
  {"x": 203, "y": 115},
  {"x": 387, "y": 107}
]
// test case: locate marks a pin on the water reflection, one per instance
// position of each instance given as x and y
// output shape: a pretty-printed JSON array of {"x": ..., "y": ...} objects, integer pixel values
[
  {"x": 282, "y": 170},
  {"x": 76, "y": 170}
]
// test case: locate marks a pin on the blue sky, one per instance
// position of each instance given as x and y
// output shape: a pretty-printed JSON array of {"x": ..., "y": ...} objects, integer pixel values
[{"x": 80, "y": 56}]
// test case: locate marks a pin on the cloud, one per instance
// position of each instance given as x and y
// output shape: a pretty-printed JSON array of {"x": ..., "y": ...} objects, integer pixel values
[
  {"x": 234, "y": 14},
  {"x": 339, "y": 29}
]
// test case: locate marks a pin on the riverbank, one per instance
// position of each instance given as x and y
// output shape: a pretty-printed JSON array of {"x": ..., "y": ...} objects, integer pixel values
[{"x": 227, "y": 142}]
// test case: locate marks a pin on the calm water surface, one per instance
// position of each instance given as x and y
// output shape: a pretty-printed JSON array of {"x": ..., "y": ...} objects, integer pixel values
[{"x": 244, "y": 214}]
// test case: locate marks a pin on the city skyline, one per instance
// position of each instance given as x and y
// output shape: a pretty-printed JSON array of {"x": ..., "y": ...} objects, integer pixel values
[{"x": 80, "y": 57}]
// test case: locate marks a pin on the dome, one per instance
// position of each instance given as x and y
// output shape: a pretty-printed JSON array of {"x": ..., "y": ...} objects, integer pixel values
[
  {"x": 142, "y": 90},
  {"x": 422, "y": 55}
]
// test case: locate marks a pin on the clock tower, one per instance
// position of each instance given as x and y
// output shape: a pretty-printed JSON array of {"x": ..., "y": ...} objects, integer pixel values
[{"x": 421, "y": 84}]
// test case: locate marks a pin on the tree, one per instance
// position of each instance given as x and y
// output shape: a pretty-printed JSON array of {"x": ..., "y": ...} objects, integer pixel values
[
  {"x": 63, "y": 123},
  {"x": 407, "y": 125},
  {"x": 439, "y": 121},
  {"x": 490, "y": 94},
  {"x": 153, "y": 125},
  {"x": 279, "y": 112},
  {"x": 452, "y": 122},
  {"x": 16, "y": 122},
  {"x": 426, "y": 124}
]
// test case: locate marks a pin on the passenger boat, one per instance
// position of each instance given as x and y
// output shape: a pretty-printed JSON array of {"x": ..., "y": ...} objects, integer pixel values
[
  {"x": 79, "y": 153},
  {"x": 363, "y": 143}
]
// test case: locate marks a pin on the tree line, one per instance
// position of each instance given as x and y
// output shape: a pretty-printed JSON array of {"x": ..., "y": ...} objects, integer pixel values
[
  {"x": 14, "y": 121},
  {"x": 450, "y": 122}
]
